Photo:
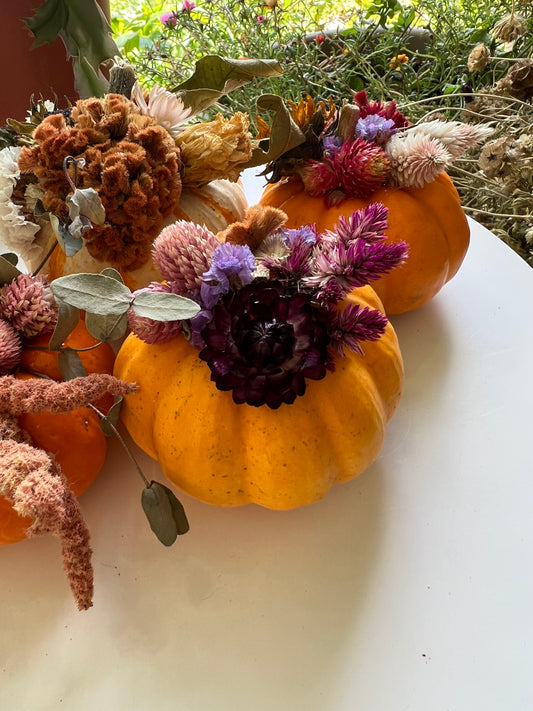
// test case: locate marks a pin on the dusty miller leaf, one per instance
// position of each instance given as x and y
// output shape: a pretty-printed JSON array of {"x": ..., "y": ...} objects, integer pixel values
[
  {"x": 113, "y": 273},
  {"x": 95, "y": 293},
  {"x": 67, "y": 320},
  {"x": 161, "y": 306},
  {"x": 70, "y": 364},
  {"x": 69, "y": 244},
  {"x": 164, "y": 512}
]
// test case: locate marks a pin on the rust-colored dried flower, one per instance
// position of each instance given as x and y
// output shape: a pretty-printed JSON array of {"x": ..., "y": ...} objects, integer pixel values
[
  {"x": 259, "y": 222},
  {"x": 215, "y": 150},
  {"x": 29, "y": 305},
  {"x": 131, "y": 162},
  {"x": 478, "y": 58}
]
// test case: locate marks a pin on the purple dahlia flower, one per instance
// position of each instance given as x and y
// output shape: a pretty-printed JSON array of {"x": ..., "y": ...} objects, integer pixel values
[{"x": 263, "y": 343}]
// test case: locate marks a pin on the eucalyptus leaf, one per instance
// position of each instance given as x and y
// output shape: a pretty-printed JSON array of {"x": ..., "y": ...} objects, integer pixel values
[
  {"x": 67, "y": 320},
  {"x": 285, "y": 134},
  {"x": 69, "y": 244},
  {"x": 113, "y": 273},
  {"x": 164, "y": 512},
  {"x": 162, "y": 306},
  {"x": 85, "y": 202},
  {"x": 107, "y": 327},
  {"x": 215, "y": 76},
  {"x": 70, "y": 364},
  {"x": 8, "y": 271},
  {"x": 95, "y": 293},
  {"x": 109, "y": 423}
]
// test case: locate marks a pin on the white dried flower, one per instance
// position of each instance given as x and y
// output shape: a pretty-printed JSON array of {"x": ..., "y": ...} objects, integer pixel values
[
  {"x": 16, "y": 232},
  {"x": 510, "y": 27},
  {"x": 416, "y": 159},
  {"x": 456, "y": 137},
  {"x": 164, "y": 106}
]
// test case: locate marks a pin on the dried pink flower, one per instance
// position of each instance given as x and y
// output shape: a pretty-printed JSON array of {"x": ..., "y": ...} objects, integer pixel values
[
  {"x": 182, "y": 253},
  {"x": 416, "y": 159},
  {"x": 10, "y": 347},
  {"x": 348, "y": 327},
  {"x": 28, "y": 304},
  {"x": 33, "y": 483},
  {"x": 147, "y": 329}
]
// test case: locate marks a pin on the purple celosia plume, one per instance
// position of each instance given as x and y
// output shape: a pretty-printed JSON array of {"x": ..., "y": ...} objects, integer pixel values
[{"x": 348, "y": 327}]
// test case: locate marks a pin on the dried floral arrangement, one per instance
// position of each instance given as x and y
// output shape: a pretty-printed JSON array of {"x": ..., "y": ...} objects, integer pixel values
[
  {"x": 354, "y": 149},
  {"x": 107, "y": 172}
]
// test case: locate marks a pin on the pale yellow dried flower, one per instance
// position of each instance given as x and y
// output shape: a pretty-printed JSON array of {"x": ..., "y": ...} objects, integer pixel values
[
  {"x": 478, "y": 58},
  {"x": 215, "y": 150},
  {"x": 510, "y": 27}
]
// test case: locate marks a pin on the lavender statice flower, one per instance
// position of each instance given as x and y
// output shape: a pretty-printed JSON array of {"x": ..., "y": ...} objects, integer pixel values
[
  {"x": 197, "y": 325},
  {"x": 331, "y": 144},
  {"x": 306, "y": 234},
  {"x": 348, "y": 327},
  {"x": 231, "y": 266},
  {"x": 149, "y": 330},
  {"x": 182, "y": 253},
  {"x": 375, "y": 128},
  {"x": 28, "y": 304}
]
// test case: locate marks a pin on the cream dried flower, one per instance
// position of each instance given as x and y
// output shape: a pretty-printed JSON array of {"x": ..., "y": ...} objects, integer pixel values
[
  {"x": 165, "y": 107},
  {"x": 510, "y": 27},
  {"x": 478, "y": 58},
  {"x": 16, "y": 232},
  {"x": 215, "y": 150},
  {"x": 456, "y": 137},
  {"x": 492, "y": 159},
  {"x": 416, "y": 159}
]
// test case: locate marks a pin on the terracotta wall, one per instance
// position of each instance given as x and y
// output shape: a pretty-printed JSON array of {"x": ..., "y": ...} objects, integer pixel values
[{"x": 42, "y": 71}]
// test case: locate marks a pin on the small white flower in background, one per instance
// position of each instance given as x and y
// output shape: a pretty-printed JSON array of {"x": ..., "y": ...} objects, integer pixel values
[
  {"x": 164, "y": 106},
  {"x": 455, "y": 136},
  {"x": 16, "y": 232}
]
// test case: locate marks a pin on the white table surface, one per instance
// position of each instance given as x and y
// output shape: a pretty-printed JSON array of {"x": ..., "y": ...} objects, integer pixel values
[{"x": 408, "y": 589}]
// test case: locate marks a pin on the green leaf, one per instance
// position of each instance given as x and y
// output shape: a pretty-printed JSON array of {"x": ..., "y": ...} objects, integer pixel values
[
  {"x": 11, "y": 257},
  {"x": 109, "y": 423},
  {"x": 70, "y": 364},
  {"x": 216, "y": 76},
  {"x": 107, "y": 327},
  {"x": 161, "y": 306},
  {"x": 284, "y": 134},
  {"x": 47, "y": 22},
  {"x": 8, "y": 271},
  {"x": 67, "y": 321},
  {"x": 95, "y": 293},
  {"x": 87, "y": 81},
  {"x": 164, "y": 512}
]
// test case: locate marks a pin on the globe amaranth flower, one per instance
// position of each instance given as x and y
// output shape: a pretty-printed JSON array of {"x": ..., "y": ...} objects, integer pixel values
[
  {"x": 263, "y": 343},
  {"x": 10, "y": 347},
  {"x": 149, "y": 330},
  {"x": 28, "y": 304},
  {"x": 388, "y": 111},
  {"x": 231, "y": 265},
  {"x": 182, "y": 253}
]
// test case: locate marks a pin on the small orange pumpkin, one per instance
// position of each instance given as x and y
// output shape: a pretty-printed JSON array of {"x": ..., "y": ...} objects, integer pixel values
[
  {"x": 230, "y": 455},
  {"x": 429, "y": 219},
  {"x": 75, "y": 439}
]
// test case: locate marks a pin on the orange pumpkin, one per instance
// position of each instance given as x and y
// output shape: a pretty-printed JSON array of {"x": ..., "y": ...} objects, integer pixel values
[
  {"x": 230, "y": 455},
  {"x": 429, "y": 219},
  {"x": 75, "y": 438}
]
